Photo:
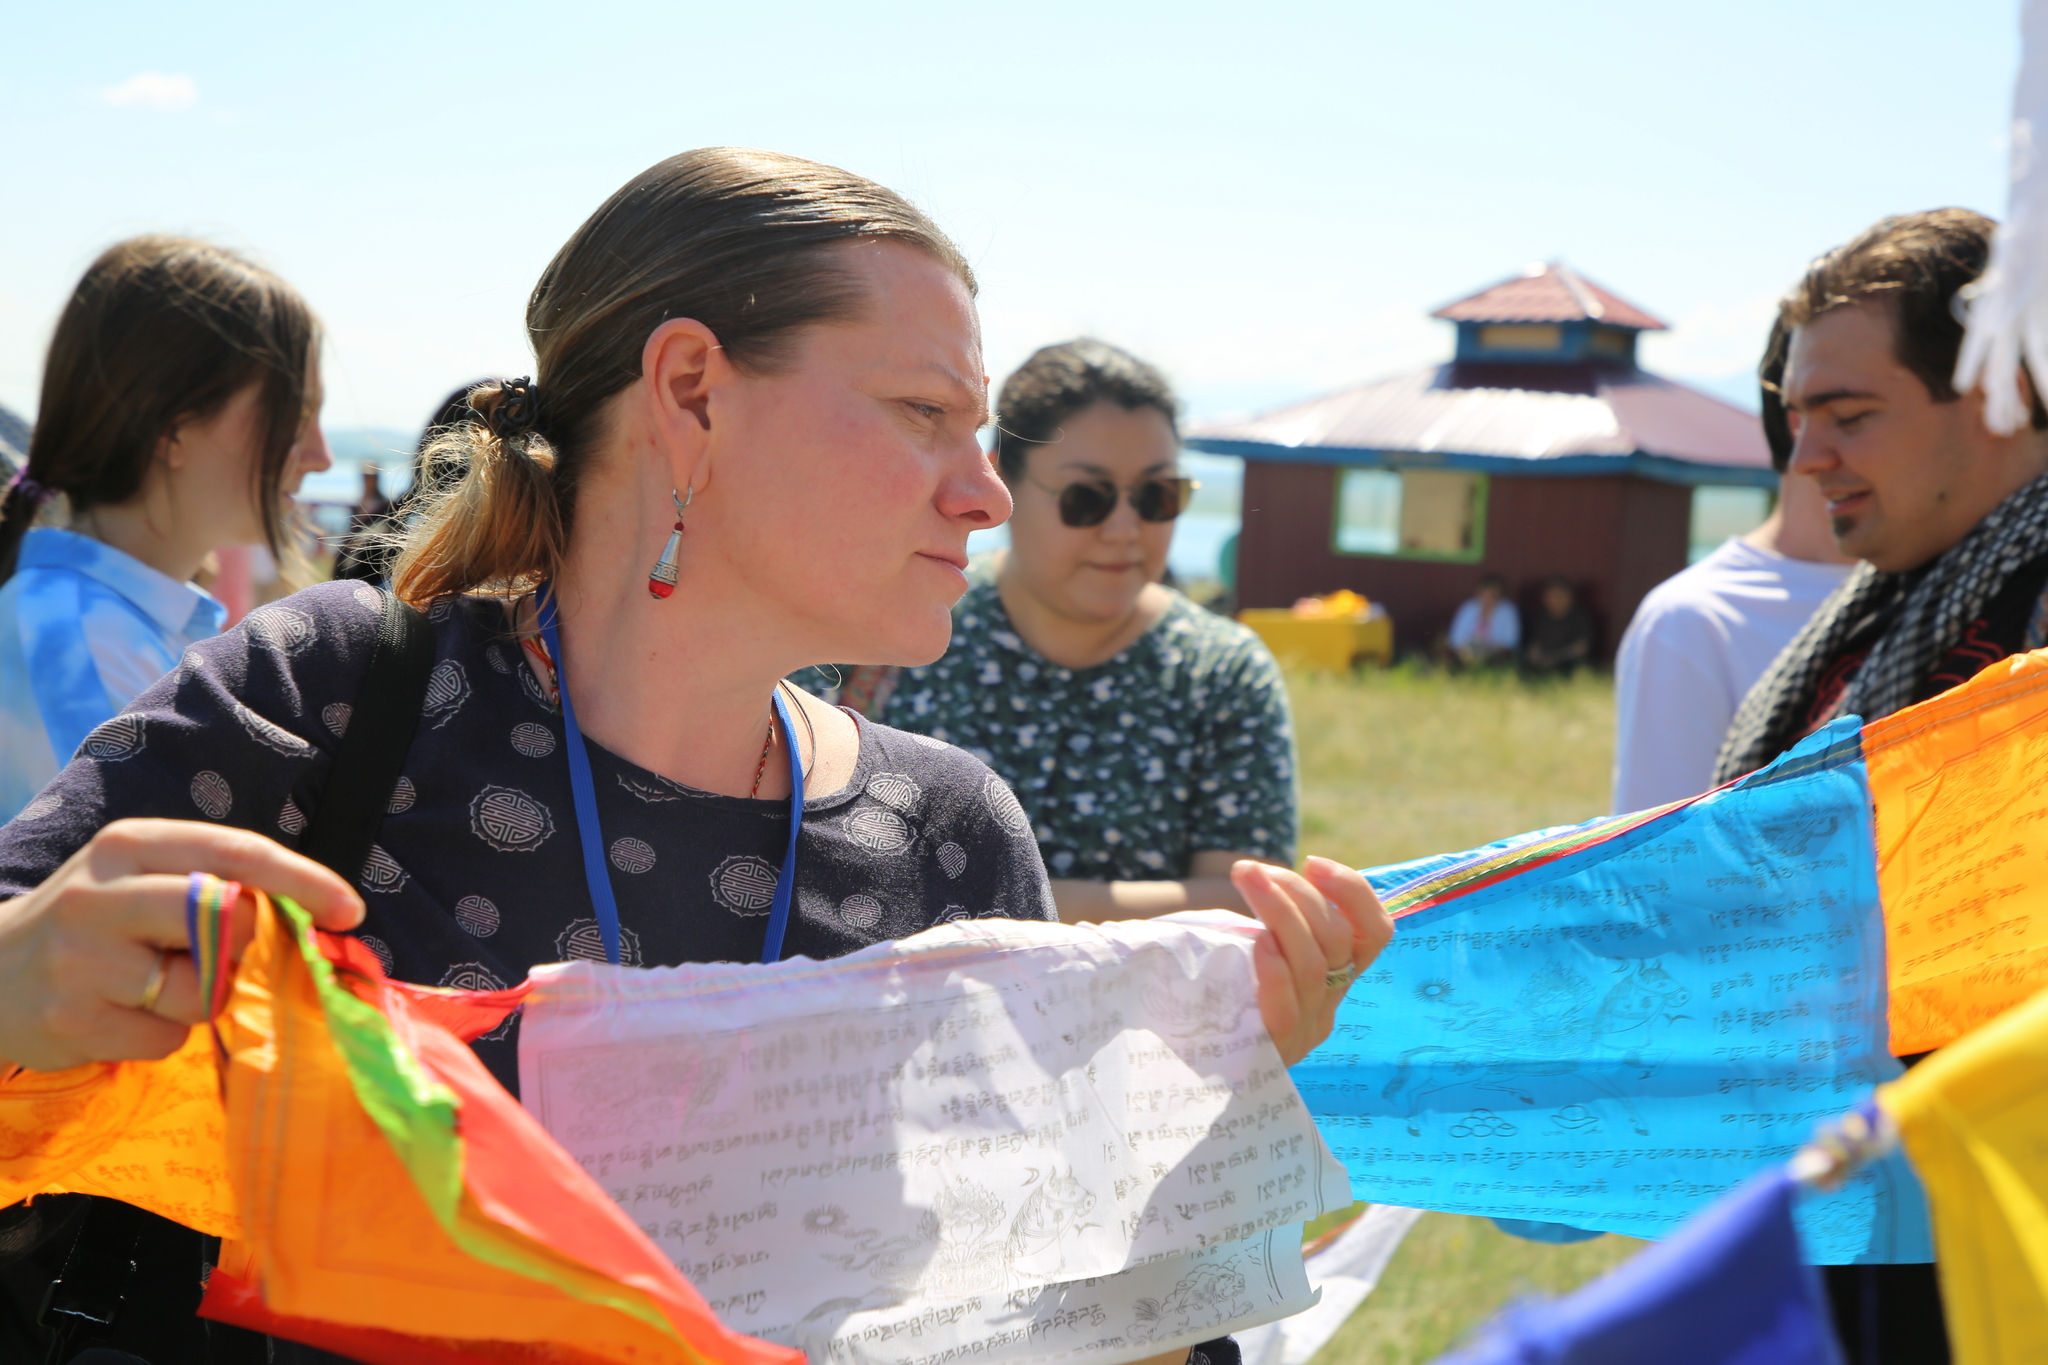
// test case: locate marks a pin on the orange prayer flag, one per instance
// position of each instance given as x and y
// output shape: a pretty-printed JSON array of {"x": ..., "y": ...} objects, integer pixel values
[
  {"x": 150, "y": 1133},
  {"x": 1962, "y": 851},
  {"x": 384, "y": 1197}
]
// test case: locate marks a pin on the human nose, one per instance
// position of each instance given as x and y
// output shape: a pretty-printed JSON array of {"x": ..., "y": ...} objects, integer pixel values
[
  {"x": 973, "y": 491},
  {"x": 1123, "y": 521},
  {"x": 1811, "y": 451},
  {"x": 313, "y": 454}
]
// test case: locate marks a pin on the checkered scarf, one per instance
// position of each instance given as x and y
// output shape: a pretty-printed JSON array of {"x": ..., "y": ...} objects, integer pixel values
[{"x": 1930, "y": 608}]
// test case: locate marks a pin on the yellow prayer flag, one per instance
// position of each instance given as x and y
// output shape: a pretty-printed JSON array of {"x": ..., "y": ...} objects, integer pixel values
[{"x": 1974, "y": 1118}]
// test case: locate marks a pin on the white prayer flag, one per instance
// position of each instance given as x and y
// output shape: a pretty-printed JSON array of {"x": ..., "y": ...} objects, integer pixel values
[{"x": 996, "y": 1141}]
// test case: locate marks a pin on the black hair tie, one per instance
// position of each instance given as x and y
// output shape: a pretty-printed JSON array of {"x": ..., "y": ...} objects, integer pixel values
[{"x": 518, "y": 408}]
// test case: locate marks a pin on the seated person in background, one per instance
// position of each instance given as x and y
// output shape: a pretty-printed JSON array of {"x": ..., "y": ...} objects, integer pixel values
[
  {"x": 1148, "y": 739},
  {"x": 1702, "y": 637},
  {"x": 1561, "y": 636},
  {"x": 1487, "y": 629}
]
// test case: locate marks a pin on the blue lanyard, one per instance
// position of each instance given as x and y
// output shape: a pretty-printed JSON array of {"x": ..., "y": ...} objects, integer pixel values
[{"x": 584, "y": 791}]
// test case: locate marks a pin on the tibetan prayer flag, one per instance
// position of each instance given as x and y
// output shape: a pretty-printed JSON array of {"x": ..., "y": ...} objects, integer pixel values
[
  {"x": 384, "y": 1196},
  {"x": 1729, "y": 1288},
  {"x": 1962, "y": 850},
  {"x": 1611, "y": 1026},
  {"x": 1974, "y": 1116}
]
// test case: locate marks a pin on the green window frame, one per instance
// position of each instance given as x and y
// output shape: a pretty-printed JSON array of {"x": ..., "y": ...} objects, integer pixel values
[{"x": 1390, "y": 512}]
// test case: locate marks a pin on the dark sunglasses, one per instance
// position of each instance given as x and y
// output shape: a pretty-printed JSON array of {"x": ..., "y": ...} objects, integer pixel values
[{"x": 1090, "y": 502}]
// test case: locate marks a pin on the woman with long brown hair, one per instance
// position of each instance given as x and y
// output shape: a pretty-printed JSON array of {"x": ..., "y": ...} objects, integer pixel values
[
  {"x": 750, "y": 446},
  {"x": 179, "y": 411}
]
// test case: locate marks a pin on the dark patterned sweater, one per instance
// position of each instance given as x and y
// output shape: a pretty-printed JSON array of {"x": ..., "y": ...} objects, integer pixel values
[{"x": 477, "y": 875}]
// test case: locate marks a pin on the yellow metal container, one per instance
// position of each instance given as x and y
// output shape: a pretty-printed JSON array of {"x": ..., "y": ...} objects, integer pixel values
[{"x": 1322, "y": 642}]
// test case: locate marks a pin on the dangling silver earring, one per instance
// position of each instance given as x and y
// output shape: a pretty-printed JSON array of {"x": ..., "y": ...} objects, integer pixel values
[{"x": 662, "y": 580}]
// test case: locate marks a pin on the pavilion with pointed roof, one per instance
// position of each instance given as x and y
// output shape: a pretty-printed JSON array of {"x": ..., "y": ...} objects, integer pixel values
[{"x": 1539, "y": 448}]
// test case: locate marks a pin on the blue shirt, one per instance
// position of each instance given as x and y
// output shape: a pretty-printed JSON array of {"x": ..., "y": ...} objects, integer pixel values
[
  {"x": 84, "y": 629},
  {"x": 1504, "y": 631}
]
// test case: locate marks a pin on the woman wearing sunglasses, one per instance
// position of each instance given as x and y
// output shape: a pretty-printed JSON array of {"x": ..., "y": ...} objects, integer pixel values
[{"x": 1147, "y": 738}]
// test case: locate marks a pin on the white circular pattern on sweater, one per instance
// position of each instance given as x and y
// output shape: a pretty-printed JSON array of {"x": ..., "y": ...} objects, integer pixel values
[
  {"x": 369, "y": 597},
  {"x": 632, "y": 855},
  {"x": 282, "y": 628},
  {"x": 381, "y": 949},
  {"x": 878, "y": 830},
  {"x": 115, "y": 739},
  {"x": 471, "y": 976},
  {"x": 447, "y": 689},
  {"x": 895, "y": 790},
  {"x": 583, "y": 939},
  {"x": 402, "y": 797},
  {"x": 213, "y": 796},
  {"x": 533, "y": 739},
  {"x": 1002, "y": 803},
  {"x": 953, "y": 859},
  {"x": 291, "y": 819},
  {"x": 861, "y": 912},
  {"x": 335, "y": 716},
  {"x": 43, "y": 805},
  {"x": 495, "y": 657},
  {"x": 744, "y": 884},
  {"x": 953, "y": 913},
  {"x": 510, "y": 820},
  {"x": 275, "y": 738},
  {"x": 475, "y": 976},
  {"x": 437, "y": 611},
  {"x": 477, "y": 915},
  {"x": 381, "y": 871},
  {"x": 535, "y": 693},
  {"x": 650, "y": 793}
]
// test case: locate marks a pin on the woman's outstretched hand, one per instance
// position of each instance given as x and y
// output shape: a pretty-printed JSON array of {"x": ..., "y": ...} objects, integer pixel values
[
  {"x": 80, "y": 952},
  {"x": 1324, "y": 926}
]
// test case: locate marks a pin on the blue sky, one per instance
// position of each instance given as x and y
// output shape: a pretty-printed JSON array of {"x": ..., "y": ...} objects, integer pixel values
[{"x": 1265, "y": 199}]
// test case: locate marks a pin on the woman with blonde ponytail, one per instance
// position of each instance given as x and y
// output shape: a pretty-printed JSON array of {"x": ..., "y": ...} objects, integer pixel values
[{"x": 749, "y": 445}]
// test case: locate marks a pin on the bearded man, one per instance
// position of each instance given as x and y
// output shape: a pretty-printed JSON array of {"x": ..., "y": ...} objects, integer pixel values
[
  {"x": 1951, "y": 521},
  {"x": 1949, "y": 517}
]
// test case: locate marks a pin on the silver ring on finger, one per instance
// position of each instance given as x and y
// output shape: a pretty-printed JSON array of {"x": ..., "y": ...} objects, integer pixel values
[
  {"x": 158, "y": 975},
  {"x": 1340, "y": 978}
]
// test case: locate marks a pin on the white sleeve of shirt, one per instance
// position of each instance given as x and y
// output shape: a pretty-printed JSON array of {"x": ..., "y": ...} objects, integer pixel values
[{"x": 1672, "y": 707}]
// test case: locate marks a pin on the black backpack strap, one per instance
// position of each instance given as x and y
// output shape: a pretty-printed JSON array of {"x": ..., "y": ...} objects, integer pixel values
[
  {"x": 373, "y": 748},
  {"x": 87, "y": 1295}
]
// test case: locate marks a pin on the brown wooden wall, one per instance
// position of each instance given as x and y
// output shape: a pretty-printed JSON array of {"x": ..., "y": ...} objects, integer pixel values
[{"x": 1616, "y": 537}]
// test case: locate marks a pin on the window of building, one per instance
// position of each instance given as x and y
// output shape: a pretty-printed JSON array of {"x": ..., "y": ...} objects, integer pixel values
[
  {"x": 1521, "y": 336},
  {"x": 1718, "y": 513},
  {"x": 1612, "y": 342},
  {"x": 1411, "y": 513}
]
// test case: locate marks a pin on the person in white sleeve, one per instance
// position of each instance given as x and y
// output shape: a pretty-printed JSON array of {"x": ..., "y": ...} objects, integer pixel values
[{"x": 1702, "y": 637}]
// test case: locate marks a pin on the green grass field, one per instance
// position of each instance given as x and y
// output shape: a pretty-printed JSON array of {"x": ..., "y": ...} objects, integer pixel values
[{"x": 1400, "y": 764}]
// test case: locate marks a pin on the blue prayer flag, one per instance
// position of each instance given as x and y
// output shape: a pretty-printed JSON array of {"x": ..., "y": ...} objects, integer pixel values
[
  {"x": 1730, "y": 1288},
  {"x": 1613, "y": 1034}
]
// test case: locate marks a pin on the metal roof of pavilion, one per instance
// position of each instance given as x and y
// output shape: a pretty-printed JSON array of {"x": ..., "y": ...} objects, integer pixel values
[
  {"x": 1520, "y": 416},
  {"x": 1549, "y": 293}
]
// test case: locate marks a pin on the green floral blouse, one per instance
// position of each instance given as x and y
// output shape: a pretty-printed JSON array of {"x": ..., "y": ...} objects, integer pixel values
[{"x": 1179, "y": 744}]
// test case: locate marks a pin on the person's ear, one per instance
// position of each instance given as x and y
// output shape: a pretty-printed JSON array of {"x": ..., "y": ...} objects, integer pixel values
[
  {"x": 683, "y": 366},
  {"x": 170, "y": 450}
]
